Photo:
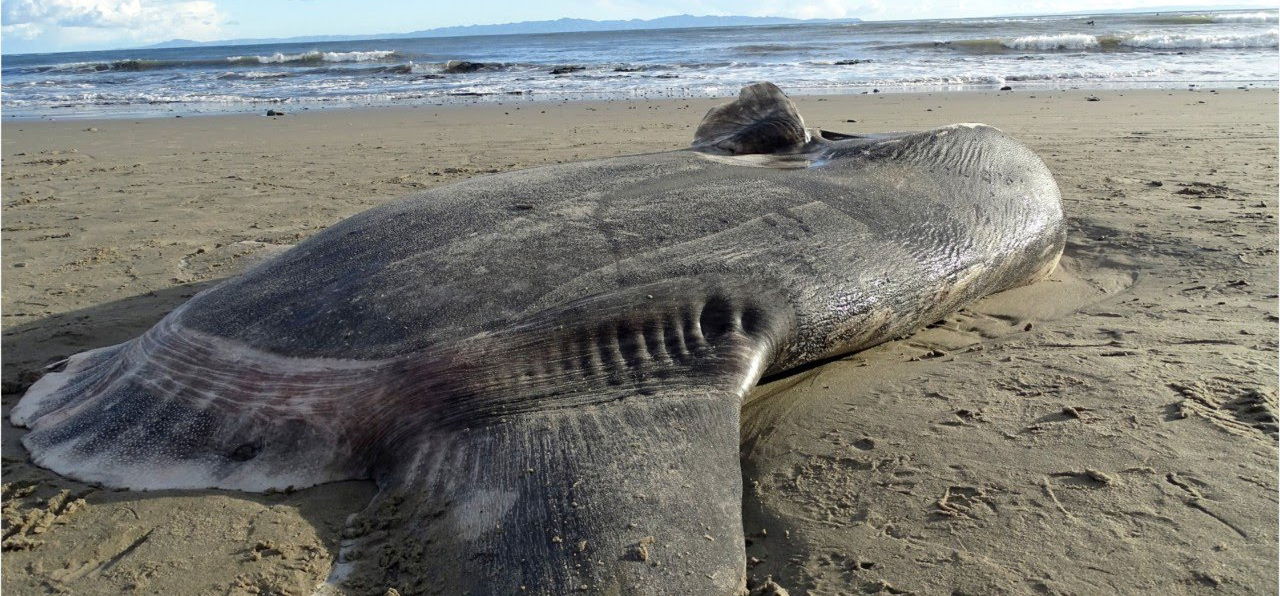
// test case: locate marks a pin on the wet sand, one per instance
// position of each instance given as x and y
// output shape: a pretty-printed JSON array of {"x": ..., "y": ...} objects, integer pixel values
[{"x": 1112, "y": 429}]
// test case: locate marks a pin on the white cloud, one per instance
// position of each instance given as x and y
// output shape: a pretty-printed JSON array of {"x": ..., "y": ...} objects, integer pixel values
[
  {"x": 24, "y": 30},
  {"x": 74, "y": 24},
  {"x": 810, "y": 9},
  {"x": 824, "y": 9}
]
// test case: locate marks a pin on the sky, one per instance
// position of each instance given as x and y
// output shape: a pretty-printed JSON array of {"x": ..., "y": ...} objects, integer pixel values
[{"x": 71, "y": 25}]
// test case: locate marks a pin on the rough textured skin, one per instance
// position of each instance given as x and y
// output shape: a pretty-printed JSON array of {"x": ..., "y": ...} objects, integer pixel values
[{"x": 543, "y": 369}]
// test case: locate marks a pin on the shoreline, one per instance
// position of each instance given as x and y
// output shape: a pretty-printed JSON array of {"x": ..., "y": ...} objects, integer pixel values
[
  {"x": 1116, "y": 51},
  {"x": 1109, "y": 430},
  {"x": 501, "y": 99}
]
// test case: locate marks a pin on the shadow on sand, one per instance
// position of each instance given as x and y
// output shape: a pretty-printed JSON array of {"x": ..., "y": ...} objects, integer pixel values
[{"x": 122, "y": 534}]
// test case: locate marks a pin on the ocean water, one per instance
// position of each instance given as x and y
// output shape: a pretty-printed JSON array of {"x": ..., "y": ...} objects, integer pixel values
[{"x": 1172, "y": 49}]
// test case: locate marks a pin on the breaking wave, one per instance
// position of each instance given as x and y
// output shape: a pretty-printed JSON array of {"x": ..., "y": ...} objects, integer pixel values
[
  {"x": 1246, "y": 17},
  {"x": 1065, "y": 41},
  {"x": 126, "y": 65},
  {"x": 1168, "y": 41},
  {"x": 1081, "y": 42},
  {"x": 316, "y": 57},
  {"x": 140, "y": 65}
]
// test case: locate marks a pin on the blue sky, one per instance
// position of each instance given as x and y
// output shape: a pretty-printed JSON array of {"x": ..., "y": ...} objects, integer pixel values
[{"x": 66, "y": 25}]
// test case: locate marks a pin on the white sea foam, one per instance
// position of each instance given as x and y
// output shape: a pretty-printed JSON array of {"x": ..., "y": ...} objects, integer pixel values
[
  {"x": 314, "y": 56},
  {"x": 976, "y": 78},
  {"x": 1065, "y": 41},
  {"x": 1169, "y": 41},
  {"x": 253, "y": 75},
  {"x": 277, "y": 58},
  {"x": 1246, "y": 17},
  {"x": 368, "y": 56}
]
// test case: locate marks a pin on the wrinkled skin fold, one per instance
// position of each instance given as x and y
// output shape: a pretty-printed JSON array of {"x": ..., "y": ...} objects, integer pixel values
[{"x": 543, "y": 369}]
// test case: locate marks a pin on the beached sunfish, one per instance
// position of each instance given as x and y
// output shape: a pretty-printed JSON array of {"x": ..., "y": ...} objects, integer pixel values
[{"x": 542, "y": 370}]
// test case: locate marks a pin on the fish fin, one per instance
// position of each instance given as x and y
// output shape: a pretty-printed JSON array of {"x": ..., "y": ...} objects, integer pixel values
[
  {"x": 633, "y": 498},
  {"x": 628, "y": 483},
  {"x": 175, "y": 408},
  {"x": 761, "y": 120}
]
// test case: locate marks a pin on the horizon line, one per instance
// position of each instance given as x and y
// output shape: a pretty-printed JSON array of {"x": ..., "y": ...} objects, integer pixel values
[{"x": 391, "y": 35}]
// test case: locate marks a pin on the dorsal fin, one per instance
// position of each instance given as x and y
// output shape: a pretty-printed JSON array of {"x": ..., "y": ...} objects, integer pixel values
[{"x": 761, "y": 120}]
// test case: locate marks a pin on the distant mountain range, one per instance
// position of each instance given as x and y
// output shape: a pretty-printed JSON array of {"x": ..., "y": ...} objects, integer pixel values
[{"x": 565, "y": 25}]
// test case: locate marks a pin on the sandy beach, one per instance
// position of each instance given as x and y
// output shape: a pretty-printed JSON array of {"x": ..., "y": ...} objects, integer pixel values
[{"x": 1110, "y": 430}]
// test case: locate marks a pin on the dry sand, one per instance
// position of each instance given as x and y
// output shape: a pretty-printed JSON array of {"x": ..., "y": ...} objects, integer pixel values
[{"x": 1111, "y": 430}]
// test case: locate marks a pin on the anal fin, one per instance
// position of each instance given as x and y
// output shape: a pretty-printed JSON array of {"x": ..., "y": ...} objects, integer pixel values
[
  {"x": 630, "y": 497},
  {"x": 580, "y": 481}
]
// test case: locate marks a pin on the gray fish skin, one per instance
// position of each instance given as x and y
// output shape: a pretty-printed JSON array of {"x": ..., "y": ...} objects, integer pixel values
[
  {"x": 900, "y": 213},
  {"x": 543, "y": 369}
]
